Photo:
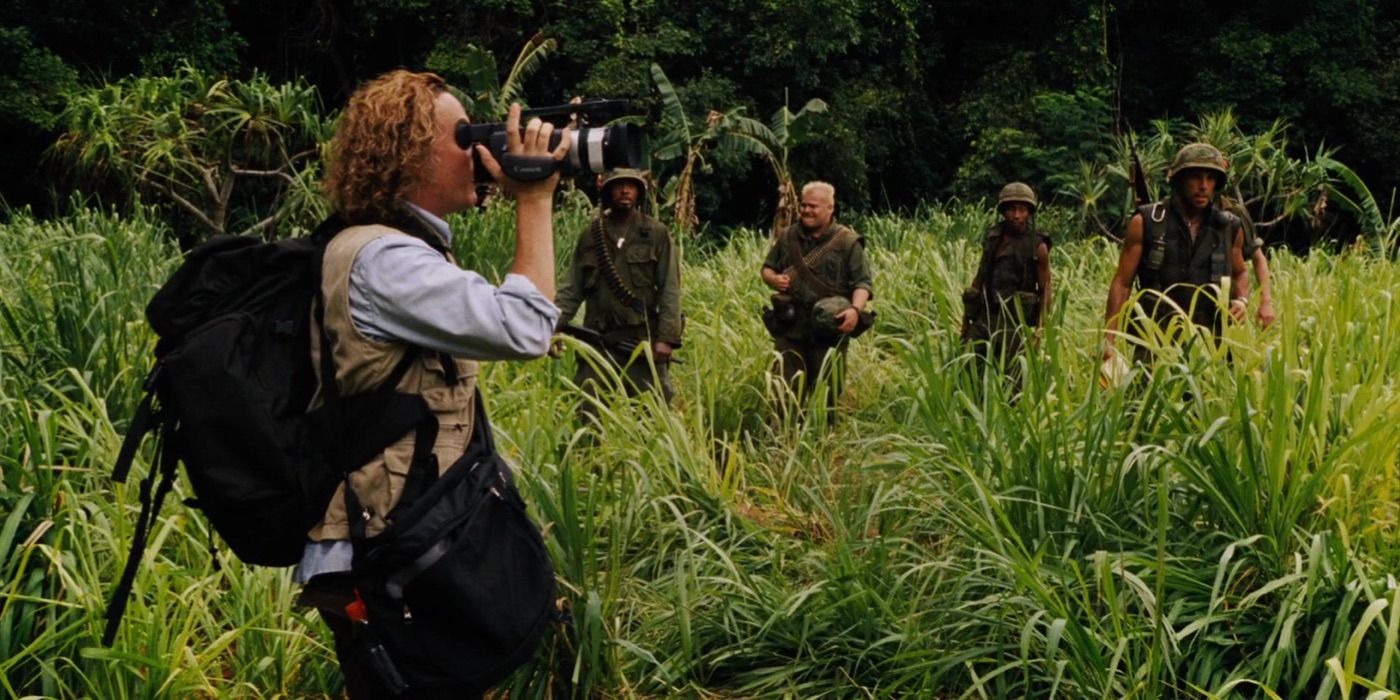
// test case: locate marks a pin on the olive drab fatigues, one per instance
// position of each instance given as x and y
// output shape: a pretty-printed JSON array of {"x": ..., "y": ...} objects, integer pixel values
[
  {"x": 1006, "y": 297},
  {"x": 844, "y": 269},
  {"x": 1181, "y": 270},
  {"x": 648, "y": 265}
]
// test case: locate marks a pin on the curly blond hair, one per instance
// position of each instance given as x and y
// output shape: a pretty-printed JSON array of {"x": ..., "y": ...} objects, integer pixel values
[{"x": 381, "y": 145}]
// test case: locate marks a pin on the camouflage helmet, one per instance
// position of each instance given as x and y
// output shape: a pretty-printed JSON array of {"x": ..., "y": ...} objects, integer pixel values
[
  {"x": 1199, "y": 155},
  {"x": 632, "y": 174},
  {"x": 824, "y": 314},
  {"x": 1016, "y": 192}
]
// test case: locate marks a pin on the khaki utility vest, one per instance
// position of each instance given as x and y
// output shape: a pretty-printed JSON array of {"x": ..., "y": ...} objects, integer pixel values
[{"x": 361, "y": 365}]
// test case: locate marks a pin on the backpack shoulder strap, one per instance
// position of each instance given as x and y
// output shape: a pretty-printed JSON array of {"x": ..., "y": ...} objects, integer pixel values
[{"x": 1227, "y": 223}]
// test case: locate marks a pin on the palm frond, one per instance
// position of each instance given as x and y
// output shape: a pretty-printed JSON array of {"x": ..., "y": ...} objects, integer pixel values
[{"x": 1362, "y": 203}]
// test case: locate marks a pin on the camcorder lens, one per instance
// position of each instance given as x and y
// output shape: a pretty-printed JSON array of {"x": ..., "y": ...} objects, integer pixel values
[{"x": 595, "y": 149}]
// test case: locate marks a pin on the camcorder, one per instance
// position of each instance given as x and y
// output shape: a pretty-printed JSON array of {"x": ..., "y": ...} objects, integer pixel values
[{"x": 594, "y": 149}]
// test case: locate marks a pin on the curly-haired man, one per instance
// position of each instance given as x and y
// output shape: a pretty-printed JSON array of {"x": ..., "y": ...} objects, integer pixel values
[{"x": 391, "y": 287}]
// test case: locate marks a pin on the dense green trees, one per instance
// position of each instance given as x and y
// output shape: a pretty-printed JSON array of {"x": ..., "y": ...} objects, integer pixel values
[
  {"x": 926, "y": 99},
  {"x": 226, "y": 156}
]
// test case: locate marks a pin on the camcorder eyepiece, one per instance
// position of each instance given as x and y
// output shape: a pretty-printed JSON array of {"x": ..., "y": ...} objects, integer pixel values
[{"x": 594, "y": 149}]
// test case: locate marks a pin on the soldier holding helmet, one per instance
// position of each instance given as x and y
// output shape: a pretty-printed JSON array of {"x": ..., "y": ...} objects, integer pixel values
[{"x": 818, "y": 271}]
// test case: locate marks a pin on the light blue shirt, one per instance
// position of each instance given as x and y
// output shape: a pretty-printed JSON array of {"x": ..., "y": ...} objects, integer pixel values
[{"x": 402, "y": 289}]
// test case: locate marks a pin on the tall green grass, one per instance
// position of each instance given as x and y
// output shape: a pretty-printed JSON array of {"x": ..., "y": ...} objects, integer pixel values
[{"x": 1224, "y": 526}]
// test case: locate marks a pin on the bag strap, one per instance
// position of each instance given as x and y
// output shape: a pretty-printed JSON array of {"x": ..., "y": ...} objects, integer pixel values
[
  {"x": 803, "y": 265},
  {"x": 141, "y": 424},
  {"x": 150, "y": 509}
]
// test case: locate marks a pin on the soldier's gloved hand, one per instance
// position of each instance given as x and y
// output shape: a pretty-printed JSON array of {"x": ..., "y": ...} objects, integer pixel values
[{"x": 848, "y": 320}]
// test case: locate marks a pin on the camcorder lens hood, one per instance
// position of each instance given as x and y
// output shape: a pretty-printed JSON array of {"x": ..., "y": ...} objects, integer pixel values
[{"x": 595, "y": 149}]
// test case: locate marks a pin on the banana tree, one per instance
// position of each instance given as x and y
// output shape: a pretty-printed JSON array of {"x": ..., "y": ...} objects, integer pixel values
[
  {"x": 789, "y": 129},
  {"x": 488, "y": 95},
  {"x": 731, "y": 131}
]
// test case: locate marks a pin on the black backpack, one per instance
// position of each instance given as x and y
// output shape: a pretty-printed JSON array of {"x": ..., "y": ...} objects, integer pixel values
[
  {"x": 228, "y": 397},
  {"x": 457, "y": 591}
]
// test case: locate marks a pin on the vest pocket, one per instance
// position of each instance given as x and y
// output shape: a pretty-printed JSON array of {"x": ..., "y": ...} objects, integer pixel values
[
  {"x": 452, "y": 405},
  {"x": 641, "y": 266}
]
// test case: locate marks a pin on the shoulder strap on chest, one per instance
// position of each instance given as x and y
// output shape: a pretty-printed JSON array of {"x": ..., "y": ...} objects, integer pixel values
[
  {"x": 1154, "y": 234},
  {"x": 1225, "y": 224},
  {"x": 802, "y": 265},
  {"x": 608, "y": 265}
]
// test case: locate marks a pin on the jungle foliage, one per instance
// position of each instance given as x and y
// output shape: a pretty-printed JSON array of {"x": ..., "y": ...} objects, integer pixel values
[{"x": 926, "y": 99}]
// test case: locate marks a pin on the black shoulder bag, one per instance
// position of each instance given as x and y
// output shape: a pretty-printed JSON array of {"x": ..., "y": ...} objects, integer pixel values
[{"x": 458, "y": 589}]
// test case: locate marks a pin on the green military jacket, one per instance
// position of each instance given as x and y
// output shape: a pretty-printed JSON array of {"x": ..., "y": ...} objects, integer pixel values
[
  {"x": 647, "y": 263},
  {"x": 844, "y": 267}
]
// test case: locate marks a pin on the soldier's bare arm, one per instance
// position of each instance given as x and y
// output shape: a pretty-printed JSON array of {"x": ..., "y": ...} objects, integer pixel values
[
  {"x": 1264, "y": 316},
  {"x": 850, "y": 317},
  {"x": 1239, "y": 278},
  {"x": 776, "y": 279},
  {"x": 1122, "y": 284}
]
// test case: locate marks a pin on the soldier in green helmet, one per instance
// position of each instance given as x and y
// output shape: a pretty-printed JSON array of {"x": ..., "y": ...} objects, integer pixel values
[
  {"x": 1181, "y": 248},
  {"x": 626, "y": 274},
  {"x": 1011, "y": 289},
  {"x": 1254, "y": 254},
  {"x": 821, "y": 281}
]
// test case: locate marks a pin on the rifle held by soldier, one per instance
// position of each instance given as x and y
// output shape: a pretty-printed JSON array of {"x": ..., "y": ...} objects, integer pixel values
[{"x": 623, "y": 348}]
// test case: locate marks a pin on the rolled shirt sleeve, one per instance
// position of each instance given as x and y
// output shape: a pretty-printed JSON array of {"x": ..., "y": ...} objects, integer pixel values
[
  {"x": 402, "y": 289},
  {"x": 774, "y": 259}
]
